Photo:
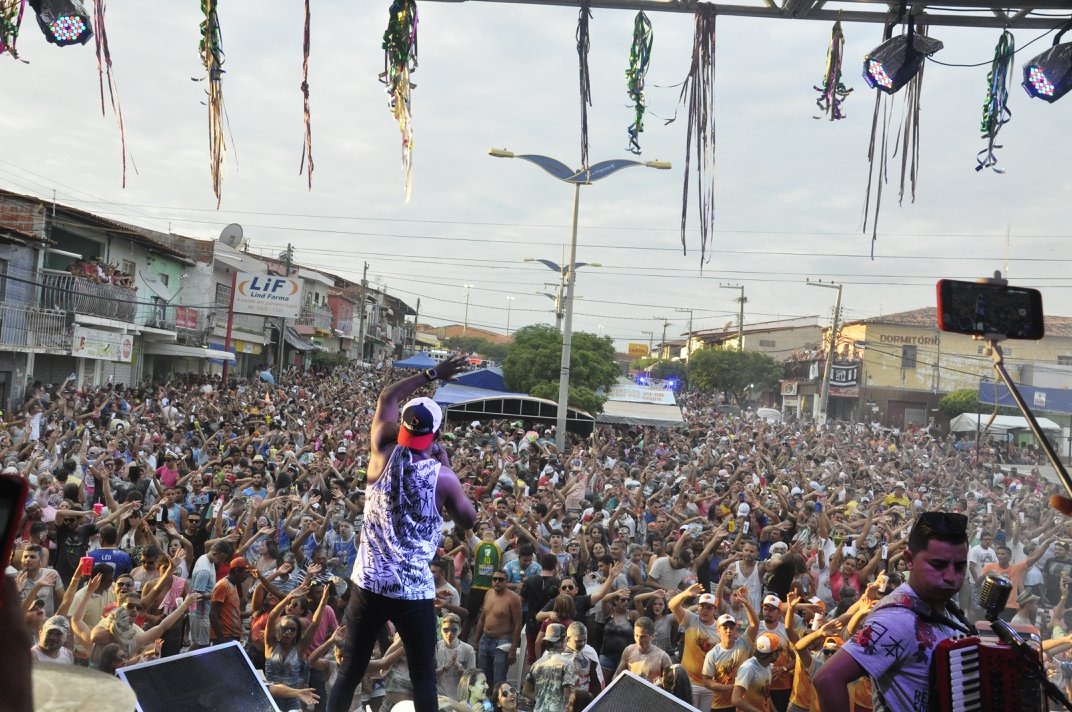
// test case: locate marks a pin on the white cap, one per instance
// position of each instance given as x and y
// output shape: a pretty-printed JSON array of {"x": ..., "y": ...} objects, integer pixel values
[{"x": 743, "y": 509}]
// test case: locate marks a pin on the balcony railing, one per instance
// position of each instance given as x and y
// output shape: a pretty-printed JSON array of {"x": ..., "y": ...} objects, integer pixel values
[
  {"x": 65, "y": 292},
  {"x": 30, "y": 327},
  {"x": 317, "y": 317}
]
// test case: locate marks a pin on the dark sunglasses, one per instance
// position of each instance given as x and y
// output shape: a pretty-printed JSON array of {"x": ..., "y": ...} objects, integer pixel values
[
  {"x": 134, "y": 606},
  {"x": 450, "y": 629},
  {"x": 498, "y": 578},
  {"x": 287, "y": 629},
  {"x": 567, "y": 588}
]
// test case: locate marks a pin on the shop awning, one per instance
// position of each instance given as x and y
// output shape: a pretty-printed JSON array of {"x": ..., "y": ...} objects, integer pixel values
[
  {"x": 161, "y": 348},
  {"x": 296, "y": 341}
]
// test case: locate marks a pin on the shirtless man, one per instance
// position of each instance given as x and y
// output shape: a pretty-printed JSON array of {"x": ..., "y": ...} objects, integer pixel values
[{"x": 499, "y": 625}]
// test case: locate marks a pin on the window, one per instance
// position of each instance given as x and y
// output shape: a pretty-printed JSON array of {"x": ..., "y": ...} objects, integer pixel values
[
  {"x": 128, "y": 267},
  {"x": 1062, "y": 360},
  {"x": 766, "y": 344},
  {"x": 3, "y": 279},
  {"x": 164, "y": 278},
  {"x": 908, "y": 356},
  {"x": 223, "y": 294}
]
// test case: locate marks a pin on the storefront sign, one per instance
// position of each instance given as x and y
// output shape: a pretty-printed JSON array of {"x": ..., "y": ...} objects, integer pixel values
[
  {"x": 267, "y": 295},
  {"x": 102, "y": 345}
]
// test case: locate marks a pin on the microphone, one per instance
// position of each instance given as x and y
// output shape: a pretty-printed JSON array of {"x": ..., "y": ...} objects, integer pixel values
[
  {"x": 958, "y": 613},
  {"x": 1061, "y": 504},
  {"x": 994, "y": 594}
]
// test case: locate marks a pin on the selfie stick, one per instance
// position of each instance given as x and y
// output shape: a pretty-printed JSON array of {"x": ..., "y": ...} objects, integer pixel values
[{"x": 1060, "y": 503}]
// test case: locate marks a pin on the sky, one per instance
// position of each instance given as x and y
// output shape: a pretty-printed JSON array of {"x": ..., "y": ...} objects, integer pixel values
[{"x": 790, "y": 188}]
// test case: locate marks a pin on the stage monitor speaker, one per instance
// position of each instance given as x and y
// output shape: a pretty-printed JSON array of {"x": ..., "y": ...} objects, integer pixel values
[
  {"x": 207, "y": 680},
  {"x": 632, "y": 692}
]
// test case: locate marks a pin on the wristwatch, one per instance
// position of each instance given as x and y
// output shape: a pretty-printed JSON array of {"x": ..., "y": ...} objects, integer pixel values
[{"x": 431, "y": 374}]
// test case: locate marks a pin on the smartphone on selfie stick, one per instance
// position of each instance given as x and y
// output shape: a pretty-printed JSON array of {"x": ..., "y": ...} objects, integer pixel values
[{"x": 992, "y": 310}]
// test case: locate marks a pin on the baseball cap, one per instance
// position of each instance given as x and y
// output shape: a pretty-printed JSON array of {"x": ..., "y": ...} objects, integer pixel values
[
  {"x": 772, "y": 600},
  {"x": 767, "y": 643},
  {"x": 779, "y": 547},
  {"x": 554, "y": 633},
  {"x": 1025, "y": 597},
  {"x": 239, "y": 562},
  {"x": 708, "y": 599},
  {"x": 258, "y": 458},
  {"x": 421, "y": 418},
  {"x": 743, "y": 509},
  {"x": 59, "y": 623},
  {"x": 725, "y": 618}
]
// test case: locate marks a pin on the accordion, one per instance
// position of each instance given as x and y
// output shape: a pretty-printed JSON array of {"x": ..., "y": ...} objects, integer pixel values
[{"x": 984, "y": 675}]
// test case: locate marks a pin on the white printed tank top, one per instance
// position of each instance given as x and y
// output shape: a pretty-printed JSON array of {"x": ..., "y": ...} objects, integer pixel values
[{"x": 401, "y": 531}]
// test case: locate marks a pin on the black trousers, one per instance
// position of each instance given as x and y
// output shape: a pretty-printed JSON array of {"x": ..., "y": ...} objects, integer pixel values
[{"x": 365, "y": 616}]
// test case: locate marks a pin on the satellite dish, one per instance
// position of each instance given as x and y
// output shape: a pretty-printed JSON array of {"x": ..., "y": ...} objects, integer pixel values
[{"x": 232, "y": 235}]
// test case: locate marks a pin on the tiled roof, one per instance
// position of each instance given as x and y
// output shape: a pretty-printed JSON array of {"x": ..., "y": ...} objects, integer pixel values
[{"x": 927, "y": 317}]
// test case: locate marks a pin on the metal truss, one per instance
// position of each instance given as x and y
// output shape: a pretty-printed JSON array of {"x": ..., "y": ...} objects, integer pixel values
[{"x": 1040, "y": 14}]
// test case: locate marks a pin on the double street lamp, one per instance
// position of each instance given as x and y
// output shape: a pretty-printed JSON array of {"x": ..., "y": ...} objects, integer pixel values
[
  {"x": 553, "y": 266},
  {"x": 577, "y": 178}
]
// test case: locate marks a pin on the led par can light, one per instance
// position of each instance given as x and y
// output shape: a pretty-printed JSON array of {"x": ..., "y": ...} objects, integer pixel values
[
  {"x": 1049, "y": 75},
  {"x": 64, "y": 22},
  {"x": 893, "y": 63}
]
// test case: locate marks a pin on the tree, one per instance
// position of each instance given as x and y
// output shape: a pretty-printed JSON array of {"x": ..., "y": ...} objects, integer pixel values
[
  {"x": 534, "y": 362},
  {"x": 966, "y": 400},
  {"x": 477, "y": 345},
  {"x": 330, "y": 359},
  {"x": 671, "y": 371},
  {"x": 733, "y": 371}
]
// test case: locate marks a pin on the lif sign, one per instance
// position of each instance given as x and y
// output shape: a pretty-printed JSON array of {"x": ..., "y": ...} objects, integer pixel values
[{"x": 267, "y": 295}]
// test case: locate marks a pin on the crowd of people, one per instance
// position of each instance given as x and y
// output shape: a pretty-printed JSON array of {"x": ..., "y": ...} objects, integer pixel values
[
  {"x": 726, "y": 561},
  {"x": 100, "y": 272}
]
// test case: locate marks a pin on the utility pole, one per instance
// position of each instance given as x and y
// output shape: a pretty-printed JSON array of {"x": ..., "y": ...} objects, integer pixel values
[
  {"x": 413, "y": 336},
  {"x": 282, "y": 320},
  {"x": 824, "y": 393},
  {"x": 465, "y": 323},
  {"x": 740, "y": 317},
  {"x": 689, "y": 347},
  {"x": 361, "y": 328},
  {"x": 662, "y": 346},
  {"x": 651, "y": 340}
]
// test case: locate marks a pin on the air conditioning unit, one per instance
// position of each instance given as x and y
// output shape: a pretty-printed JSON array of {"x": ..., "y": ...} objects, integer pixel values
[{"x": 789, "y": 388}]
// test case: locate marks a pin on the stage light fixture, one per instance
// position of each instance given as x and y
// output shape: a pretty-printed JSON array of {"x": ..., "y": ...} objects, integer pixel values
[
  {"x": 893, "y": 63},
  {"x": 1049, "y": 75},
  {"x": 64, "y": 22}
]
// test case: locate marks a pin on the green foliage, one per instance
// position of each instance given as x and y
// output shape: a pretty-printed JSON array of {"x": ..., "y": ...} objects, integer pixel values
[
  {"x": 676, "y": 370},
  {"x": 534, "y": 361},
  {"x": 642, "y": 364},
  {"x": 477, "y": 345},
  {"x": 733, "y": 371},
  {"x": 330, "y": 359},
  {"x": 966, "y": 400}
]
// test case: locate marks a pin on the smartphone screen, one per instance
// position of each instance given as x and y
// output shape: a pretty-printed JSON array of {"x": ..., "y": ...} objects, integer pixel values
[{"x": 981, "y": 309}]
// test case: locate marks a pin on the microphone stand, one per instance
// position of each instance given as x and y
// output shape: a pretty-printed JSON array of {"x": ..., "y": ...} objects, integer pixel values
[{"x": 1027, "y": 656}]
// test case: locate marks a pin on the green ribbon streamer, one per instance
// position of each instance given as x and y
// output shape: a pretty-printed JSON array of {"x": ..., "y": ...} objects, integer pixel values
[{"x": 639, "y": 57}]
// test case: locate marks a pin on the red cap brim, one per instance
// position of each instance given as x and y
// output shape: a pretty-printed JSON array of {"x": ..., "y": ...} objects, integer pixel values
[{"x": 414, "y": 442}]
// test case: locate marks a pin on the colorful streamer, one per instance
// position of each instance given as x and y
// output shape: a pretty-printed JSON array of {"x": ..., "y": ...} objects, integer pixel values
[
  {"x": 307, "y": 147},
  {"x": 10, "y": 21},
  {"x": 104, "y": 67},
  {"x": 698, "y": 94},
  {"x": 583, "y": 45},
  {"x": 212, "y": 56},
  {"x": 639, "y": 57},
  {"x": 833, "y": 92},
  {"x": 996, "y": 111},
  {"x": 400, "y": 61}
]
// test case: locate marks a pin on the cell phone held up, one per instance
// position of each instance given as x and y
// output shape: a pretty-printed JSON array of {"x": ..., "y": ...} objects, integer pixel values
[
  {"x": 990, "y": 309},
  {"x": 13, "y": 493}
]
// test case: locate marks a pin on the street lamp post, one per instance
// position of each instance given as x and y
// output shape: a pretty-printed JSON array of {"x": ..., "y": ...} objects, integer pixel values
[
  {"x": 465, "y": 322},
  {"x": 577, "y": 178},
  {"x": 509, "y": 303},
  {"x": 562, "y": 270}
]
